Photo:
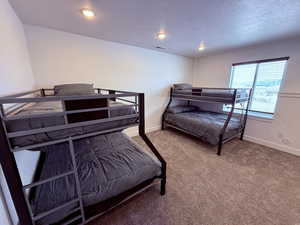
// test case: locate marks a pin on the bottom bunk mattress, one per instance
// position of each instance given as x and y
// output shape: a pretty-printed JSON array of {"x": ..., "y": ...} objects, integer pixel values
[
  {"x": 107, "y": 166},
  {"x": 205, "y": 125}
]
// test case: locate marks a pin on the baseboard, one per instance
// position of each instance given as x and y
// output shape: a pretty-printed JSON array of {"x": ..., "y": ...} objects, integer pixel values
[
  {"x": 273, "y": 145},
  {"x": 131, "y": 132},
  {"x": 152, "y": 129}
]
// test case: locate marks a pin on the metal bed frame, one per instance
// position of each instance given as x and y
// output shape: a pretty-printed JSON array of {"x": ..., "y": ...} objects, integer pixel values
[
  {"x": 9, "y": 165},
  {"x": 196, "y": 94}
]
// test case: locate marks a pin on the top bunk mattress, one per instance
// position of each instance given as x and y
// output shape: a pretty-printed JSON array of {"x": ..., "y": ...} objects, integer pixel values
[
  {"x": 224, "y": 96},
  {"x": 205, "y": 125},
  {"x": 108, "y": 165},
  {"x": 53, "y": 107}
]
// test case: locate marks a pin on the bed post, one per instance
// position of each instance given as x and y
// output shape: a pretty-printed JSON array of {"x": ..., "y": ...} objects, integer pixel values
[
  {"x": 246, "y": 115},
  {"x": 43, "y": 93},
  {"x": 149, "y": 143},
  {"x": 12, "y": 176},
  {"x": 112, "y": 92},
  {"x": 220, "y": 144},
  {"x": 163, "y": 116}
]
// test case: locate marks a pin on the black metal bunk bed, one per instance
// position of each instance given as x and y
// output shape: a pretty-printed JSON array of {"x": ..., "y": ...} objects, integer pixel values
[
  {"x": 215, "y": 115},
  {"x": 79, "y": 120}
]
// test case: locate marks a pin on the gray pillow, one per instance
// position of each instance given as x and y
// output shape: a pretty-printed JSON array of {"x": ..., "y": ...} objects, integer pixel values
[
  {"x": 183, "y": 86},
  {"x": 181, "y": 109},
  {"x": 74, "y": 89}
]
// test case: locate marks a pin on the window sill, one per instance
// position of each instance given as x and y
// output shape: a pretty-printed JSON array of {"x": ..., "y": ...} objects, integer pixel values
[{"x": 260, "y": 116}]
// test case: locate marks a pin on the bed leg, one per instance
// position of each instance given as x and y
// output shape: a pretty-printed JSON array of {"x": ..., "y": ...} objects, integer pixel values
[
  {"x": 163, "y": 186},
  {"x": 219, "y": 149},
  {"x": 220, "y": 145},
  {"x": 162, "y": 126},
  {"x": 242, "y": 136}
]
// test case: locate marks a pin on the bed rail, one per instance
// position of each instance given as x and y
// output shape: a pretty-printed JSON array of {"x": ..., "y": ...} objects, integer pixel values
[
  {"x": 7, "y": 149},
  {"x": 212, "y": 95}
]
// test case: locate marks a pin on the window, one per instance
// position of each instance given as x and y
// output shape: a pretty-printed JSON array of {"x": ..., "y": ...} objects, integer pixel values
[{"x": 264, "y": 77}]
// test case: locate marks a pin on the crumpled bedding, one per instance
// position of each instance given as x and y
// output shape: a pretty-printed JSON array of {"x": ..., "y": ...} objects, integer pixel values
[
  {"x": 50, "y": 107},
  {"x": 107, "y": 166},
  {"x": 205, "y": 125}
]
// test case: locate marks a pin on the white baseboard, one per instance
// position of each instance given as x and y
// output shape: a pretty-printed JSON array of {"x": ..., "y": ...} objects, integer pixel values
[
  {"x": 131, "y": 132},
  {"x": 273, "y": 145},
  {"x": 152, "y": 129}
]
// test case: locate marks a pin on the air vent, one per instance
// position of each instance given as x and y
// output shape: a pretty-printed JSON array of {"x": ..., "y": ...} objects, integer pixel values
[{"x": 159, "y": 47}]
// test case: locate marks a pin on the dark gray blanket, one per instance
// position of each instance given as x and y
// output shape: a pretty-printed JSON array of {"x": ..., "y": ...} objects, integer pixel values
[
  {"x": 205, "y": 125},
  {"x": 107, "y": 165},
  {"x": 50, "y": 107}
]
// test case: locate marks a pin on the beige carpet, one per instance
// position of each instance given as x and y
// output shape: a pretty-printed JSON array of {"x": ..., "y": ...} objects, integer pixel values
[{"x": 248, "y": 184}]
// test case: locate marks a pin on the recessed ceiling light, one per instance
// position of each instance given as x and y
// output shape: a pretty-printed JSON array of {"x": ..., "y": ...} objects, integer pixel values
[
  {"x": 88, "y": 13},
  {"x": 161, "y": 36},
  {"x": 201, "y": 46}
]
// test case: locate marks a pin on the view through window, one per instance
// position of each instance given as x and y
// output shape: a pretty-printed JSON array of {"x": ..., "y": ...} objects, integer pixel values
[{"x": 264, "y": 77}]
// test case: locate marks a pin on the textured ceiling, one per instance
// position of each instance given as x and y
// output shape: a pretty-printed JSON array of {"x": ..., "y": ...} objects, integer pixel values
[{"x": 221, "y": 24}]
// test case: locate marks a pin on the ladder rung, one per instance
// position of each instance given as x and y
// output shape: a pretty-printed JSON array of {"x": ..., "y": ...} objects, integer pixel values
[
  {"x": 75, "y": 210},
  {"x": 73, "y": 220},
  {"x": 46, "y": 213},
  {"x": 47, "y": 180},
  {"x": 28, "y": 147}
]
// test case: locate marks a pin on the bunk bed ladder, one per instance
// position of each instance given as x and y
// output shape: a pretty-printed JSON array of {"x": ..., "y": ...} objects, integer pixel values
[
  {"x": 78, "y": 188},
  {"x": 75, "y": 172}
]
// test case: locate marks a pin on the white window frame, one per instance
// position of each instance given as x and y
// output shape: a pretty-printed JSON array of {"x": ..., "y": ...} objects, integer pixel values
[{"x": 258, "y": 62}]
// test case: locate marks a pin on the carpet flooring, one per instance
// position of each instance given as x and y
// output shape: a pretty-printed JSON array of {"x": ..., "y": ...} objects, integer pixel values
[{"x": 248, "y": 185}]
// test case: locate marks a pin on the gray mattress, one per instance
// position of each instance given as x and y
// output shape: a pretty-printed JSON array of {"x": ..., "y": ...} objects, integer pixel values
[
  {"x": 205, "y": 125},
  {"x": 107, "y": 165},
  {"x": 50, "y": 107}
]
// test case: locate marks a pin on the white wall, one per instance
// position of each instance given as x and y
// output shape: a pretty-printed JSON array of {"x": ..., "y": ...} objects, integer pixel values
[
  {"x": 16, "y": 76},
  {"x": 15, "y": 69},
  {"x": 59, "y": 57},
  {"x": 283, "y": 131}
]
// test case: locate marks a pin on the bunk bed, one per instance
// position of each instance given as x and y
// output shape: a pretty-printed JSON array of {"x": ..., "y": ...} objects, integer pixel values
[
  {"x": 214, "y": 115},
  {"x": 87, "y": 166}
]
